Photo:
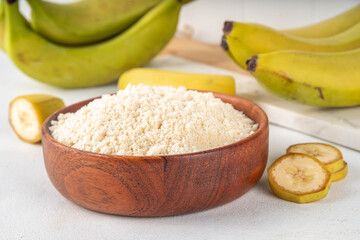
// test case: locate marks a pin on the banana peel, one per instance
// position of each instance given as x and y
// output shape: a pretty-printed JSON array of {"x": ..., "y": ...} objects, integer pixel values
[{"x": 28, "y": 112}]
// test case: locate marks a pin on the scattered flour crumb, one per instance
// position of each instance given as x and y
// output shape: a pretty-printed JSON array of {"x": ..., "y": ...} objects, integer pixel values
[{"x": 144, "y": 121}]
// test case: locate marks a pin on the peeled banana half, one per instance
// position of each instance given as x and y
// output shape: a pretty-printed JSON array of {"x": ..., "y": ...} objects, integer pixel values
[
  {"x": 299, "y": 178},
  {"x": 156, "y": 77},
  {"x": 90, "y": 65},
  {"x": 27, "y": 114}
]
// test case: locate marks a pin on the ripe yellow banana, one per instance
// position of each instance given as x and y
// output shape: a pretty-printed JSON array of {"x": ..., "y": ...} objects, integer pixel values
[
  {"x": 318, "y": 79},
  {"x": 244, "y": 40},
  {"x": 27, "y": 114},
  {"x": 92, "y": 65},
  {"x": 328, "y": 27},
  {"x": 156, "y": 77},
  {"x": 299, "y": 178},
  {"x": 85, "y": 21}
]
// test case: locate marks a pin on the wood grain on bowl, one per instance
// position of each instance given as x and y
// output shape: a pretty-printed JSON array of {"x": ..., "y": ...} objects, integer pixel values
[{"x": 158, "y": 185}]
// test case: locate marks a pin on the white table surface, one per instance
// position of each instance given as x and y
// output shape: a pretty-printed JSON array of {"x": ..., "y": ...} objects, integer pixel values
[{"x": 31, "y": 208}]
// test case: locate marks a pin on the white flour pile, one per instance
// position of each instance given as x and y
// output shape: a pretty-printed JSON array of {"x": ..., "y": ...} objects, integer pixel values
[{"x": 143, "y": 120}]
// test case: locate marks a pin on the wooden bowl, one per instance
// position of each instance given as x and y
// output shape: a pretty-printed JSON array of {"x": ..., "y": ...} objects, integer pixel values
[{"x": 158, "y": 185}]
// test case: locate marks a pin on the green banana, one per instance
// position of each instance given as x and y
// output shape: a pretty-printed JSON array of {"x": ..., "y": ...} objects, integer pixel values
[
  {"x": 246, "y": 40},
  {"x": 328, "y": 27},
  {"x": 318, "y": 79},
  {"x": 92, "y": 65},
  {"x": 86, "y": 21}
]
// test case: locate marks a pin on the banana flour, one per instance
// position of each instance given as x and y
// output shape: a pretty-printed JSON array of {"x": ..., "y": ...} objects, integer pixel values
[{"x": 143, "y": 121}]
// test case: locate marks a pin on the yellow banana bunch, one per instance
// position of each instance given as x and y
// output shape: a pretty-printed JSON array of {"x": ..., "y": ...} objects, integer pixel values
[
  {"x": 156, "y": 77},
  {"x": 308, "y": 68},
  {"x": 93, "y": 64}
]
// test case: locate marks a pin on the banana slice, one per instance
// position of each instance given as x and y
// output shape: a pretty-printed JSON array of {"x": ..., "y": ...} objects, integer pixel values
[
  {"x": 327, "y": 154},
  {"x": 27, "y": 114},
  {"x": 341, "y": 174},
  {"x": 299, "y": 178}
]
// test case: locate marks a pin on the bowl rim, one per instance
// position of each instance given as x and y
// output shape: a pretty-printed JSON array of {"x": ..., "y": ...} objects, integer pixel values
[{"x": 45, "y": 132}]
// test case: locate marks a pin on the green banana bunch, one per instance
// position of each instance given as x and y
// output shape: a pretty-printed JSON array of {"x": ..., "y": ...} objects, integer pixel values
[
  {"x": 330, "y": 26},
  {"x": 90, "y": 65},
  {"x": 244, "y": 40},
  {"x": 86, "y": 21},
  {"x": 318, "y": 79}
]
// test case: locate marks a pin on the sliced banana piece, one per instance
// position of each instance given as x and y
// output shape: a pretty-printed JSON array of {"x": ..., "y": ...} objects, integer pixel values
[
  {"x": 327, "y": 154},
  {"x": 299, "y": 178},
  {"x": 341, "y": 174},
  {"x": 27, "y": 114}
]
